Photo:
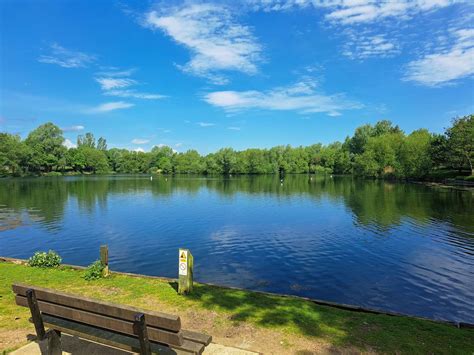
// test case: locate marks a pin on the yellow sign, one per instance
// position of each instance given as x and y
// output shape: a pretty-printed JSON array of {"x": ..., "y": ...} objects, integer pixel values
[{"x": 183, "y": 265}]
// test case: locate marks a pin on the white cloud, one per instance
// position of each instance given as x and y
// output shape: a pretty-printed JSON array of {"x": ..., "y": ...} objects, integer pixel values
[
  {"x": 73, "y": 128},
  {"x": 110, "y": 106},
  {"x": 351, "y": 12},
  {"x": 66, "y": 58},
  {"x": 115, "y": 72},
  {"x": 114, "y": 83},
  {"x": 301, "y": 97},
  {"x": 233, "y": 128},
  {"x": 140, "y": 141},
  {"x": 134, "y": 94},
  {"x": 139, "y": 150},
  {"x": 205, "y": 124},
  {"x": 68, "y": 144},
  {"x": 356, "y": 11},
  {"x": 177, "y": 145},
  {"x": 365, "y": 46},
  {"x": 445, "y": 65},
  {"x": 216, "y": 40}
]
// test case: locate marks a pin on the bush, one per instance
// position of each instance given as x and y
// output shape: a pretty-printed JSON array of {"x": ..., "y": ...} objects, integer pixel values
[
  {"x": 94, "y": 271},
  {"x": 53, "y": 173},
  {"x": 43, "y": 259},
  {"x": 469, "y": 178}
]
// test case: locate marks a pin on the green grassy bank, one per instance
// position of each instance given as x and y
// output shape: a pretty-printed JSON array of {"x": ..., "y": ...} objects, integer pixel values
[{"x": 217, "y": 310}]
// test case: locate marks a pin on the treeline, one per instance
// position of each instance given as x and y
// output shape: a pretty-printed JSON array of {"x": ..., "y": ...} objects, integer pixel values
[{"x": 380, "y": 150}]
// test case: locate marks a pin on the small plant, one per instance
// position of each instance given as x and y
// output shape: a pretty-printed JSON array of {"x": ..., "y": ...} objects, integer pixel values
[
  {"x": 45, "y": 259},
  {"x": 94, "y": 271}
]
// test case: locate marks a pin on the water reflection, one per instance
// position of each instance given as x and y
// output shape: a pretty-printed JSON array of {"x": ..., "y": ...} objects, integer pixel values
[{"x": 381, "y": 205}]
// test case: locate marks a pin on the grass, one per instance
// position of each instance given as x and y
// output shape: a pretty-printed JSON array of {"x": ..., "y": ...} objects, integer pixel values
[{"x": 290, "y": 318}]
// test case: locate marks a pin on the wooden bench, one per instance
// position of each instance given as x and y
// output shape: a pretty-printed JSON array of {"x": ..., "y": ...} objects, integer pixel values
[{"x": 115, "y": 325}]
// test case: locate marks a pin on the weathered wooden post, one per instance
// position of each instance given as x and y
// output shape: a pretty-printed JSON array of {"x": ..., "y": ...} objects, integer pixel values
[
  {"x": 104, "y": 259},
  {"x": 185, "y": 284}
]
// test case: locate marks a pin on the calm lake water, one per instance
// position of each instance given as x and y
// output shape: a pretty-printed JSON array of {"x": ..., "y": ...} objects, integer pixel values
[{"x": 398, "y": 247}]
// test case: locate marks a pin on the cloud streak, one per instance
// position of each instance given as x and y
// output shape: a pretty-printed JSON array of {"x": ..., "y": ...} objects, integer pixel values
[
  {"x": 73, "y": 128},
  {"x": 362, "y": 47},
  {"x": 205, "y": 124},
  {"x": 140, "y": 141},
  {"x": 348, "y": 12},
  {"x": 66, "y": 58},
  {"x": 117, "y": 82},
  {"x": 110, "y": 106},
  {"x": 301, "y": 97}
]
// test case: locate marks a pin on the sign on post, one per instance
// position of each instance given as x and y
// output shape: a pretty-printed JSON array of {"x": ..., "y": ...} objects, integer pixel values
[{"x": 185, "y": 271}]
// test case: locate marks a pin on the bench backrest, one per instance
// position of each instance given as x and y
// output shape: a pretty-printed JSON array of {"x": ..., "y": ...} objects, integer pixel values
[{"x": 161, "y": 327}]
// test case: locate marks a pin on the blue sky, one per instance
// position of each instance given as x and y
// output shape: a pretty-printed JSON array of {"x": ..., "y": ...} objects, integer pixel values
[{"x": 204, "y": 75}]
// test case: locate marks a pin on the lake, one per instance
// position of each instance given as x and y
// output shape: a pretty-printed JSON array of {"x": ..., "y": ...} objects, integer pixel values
[{"x": 392, "y": 246}]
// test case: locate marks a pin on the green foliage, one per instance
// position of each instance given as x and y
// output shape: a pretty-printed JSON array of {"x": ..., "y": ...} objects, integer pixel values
[
  {"x": 381, "y": 150},
  {"x": 461, "y": 142},
  {"x": 45, "y": 259},
  {"x": 94, "y": 271},
  {"x": 13, "y": 155},
  {"x": 46, "y": 148}
]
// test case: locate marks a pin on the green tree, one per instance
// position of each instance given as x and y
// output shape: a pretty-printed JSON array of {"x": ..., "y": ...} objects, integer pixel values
[
  {"x": 380, "y": 157},
  {"x": 461, "y": 142},
  {"x": 189, "y": 162},
  {"x": 45, "y": 147},
  {"x": 439, "y": 150},
  {"x": 95, "y": 161},
  {"x": 87, "y": 140},
  {"x": 102, "y": 144},
  {"x": 415, "y": 158},
  {"x": 226, "y": 158},
  {"x": 13, "y": 155}
]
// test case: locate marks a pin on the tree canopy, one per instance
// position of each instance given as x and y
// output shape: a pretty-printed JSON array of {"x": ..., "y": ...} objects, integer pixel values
[{"x": 379, "y": 150}]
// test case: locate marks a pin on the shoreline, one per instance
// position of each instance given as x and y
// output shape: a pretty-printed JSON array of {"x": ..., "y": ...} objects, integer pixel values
[{"x": 343, "y": 306}]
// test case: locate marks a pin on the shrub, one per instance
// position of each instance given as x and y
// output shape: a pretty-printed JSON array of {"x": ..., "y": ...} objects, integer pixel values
[
  {"x": 53, "y": 173},
  {"x": 45, "y": 259},
  {"x": 94, "y": 271}
]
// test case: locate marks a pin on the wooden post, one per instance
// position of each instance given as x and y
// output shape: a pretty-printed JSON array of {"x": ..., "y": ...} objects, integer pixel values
[
  {"x": 139, "y": 328},
  {"x": 104, "y": 259},
  {"x": 35, "y": 314},
  {"x": 186, "y": 261},
  {"x": 54, "y": 342}
]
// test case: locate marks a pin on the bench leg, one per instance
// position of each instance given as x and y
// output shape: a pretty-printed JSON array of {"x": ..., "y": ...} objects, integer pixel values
[
  {"x": 35, "y": 314},
  {"x": 139, "y": 327},
  {"x": 54, "y": 342}
]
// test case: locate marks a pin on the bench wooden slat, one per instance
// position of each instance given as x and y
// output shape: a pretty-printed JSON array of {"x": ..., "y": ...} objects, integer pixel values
[
  {"x": 113, "y": 339},
  {"x": 154, "y": 319},
  {"x": 197, "y": 337},
  {"x": 118, "y": 325}
]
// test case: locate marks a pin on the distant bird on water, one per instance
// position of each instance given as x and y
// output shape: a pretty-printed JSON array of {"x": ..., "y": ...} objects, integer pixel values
[{"x": 151, "y": 178}]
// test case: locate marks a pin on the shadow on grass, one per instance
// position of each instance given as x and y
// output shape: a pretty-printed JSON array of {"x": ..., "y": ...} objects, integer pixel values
[
  {"x": 337, "y": 326},
  {"x": 273, "y": 311}
]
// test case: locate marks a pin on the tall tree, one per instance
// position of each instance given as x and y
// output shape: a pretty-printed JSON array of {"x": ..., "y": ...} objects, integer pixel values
[
  {"x": 46, "y": 147},
  {"x": 87, "y": 140},
  {"x": 461, "y": 141},
  {"x": 13, "y": 155},
  {"x": 102, "y": 144}
]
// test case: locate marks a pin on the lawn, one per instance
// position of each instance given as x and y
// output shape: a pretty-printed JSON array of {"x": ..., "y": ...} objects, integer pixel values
[{"x": 240, "y": 318}]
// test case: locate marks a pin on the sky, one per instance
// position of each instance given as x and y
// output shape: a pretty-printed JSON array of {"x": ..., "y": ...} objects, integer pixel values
[{"x": 242, "y": 74}]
